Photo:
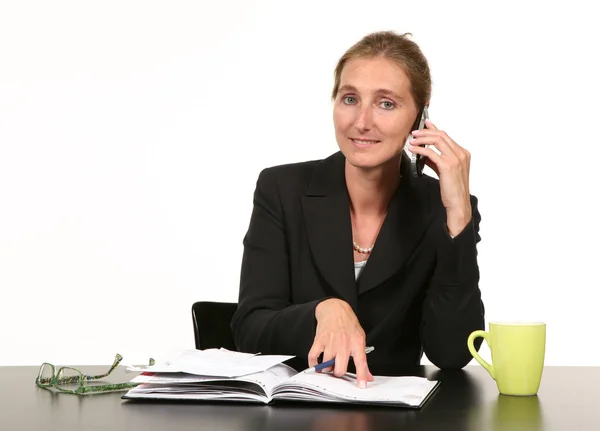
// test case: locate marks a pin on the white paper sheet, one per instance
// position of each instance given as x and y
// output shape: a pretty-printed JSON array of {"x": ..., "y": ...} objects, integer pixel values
[
  {"x": 306, "y": 385},
  {"x": 216, "y": 363}
]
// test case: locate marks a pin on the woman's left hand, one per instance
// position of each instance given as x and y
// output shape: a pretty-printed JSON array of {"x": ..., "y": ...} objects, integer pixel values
[{"x": 452, "y": 167}]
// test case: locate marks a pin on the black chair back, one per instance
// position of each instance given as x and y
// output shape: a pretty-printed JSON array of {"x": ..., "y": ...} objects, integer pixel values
[{"x": 212, "y": 324}]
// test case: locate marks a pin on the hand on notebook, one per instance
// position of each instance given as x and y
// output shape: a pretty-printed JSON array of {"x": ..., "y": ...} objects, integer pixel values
[{"x": 339, "y": 335}]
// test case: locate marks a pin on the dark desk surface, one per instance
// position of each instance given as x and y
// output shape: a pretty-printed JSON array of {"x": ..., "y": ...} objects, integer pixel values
[{"x": 569, "y": 399}]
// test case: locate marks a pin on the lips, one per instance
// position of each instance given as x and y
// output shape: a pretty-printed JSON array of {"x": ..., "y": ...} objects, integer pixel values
[{"x": 362, "y": 143}]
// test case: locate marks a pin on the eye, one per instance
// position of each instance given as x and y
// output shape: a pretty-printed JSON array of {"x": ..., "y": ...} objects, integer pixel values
[
  {"x": 386, "y": 104},
  {"x": 349, "y": 100}
]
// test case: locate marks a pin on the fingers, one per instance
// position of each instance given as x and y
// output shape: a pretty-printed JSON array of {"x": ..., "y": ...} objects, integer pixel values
[
  {"x": 434, "y": 136},
  {"x": 314, "y": 353},
  {"x": 341, "y": 363},
  {"x": 363, "y": 375},
  {"x": 445, "y": 160},
  {"x": 450, "y": 156},
  {"x": 342, "y": 357},
  {"x": 328, "y": 354},
  {"x": 427, "y": 152},
  {"x": 430, "y": 125},
  {"x": 438, "y": 139}
]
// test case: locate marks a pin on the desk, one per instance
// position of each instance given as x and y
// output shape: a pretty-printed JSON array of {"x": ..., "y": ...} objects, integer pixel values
[{"x": 569, "y": 399}]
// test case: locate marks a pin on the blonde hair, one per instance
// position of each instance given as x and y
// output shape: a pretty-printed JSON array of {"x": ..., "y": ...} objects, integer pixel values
[{"x": 397, "y": 48}]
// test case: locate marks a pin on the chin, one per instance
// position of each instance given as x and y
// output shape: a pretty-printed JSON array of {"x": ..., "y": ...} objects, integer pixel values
[{"x": 364, "y": 160}]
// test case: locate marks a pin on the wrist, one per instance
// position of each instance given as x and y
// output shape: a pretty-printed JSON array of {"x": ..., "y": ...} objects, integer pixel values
[
  {"x": 323, "y": 306},
  {"x": 456, "y": 220}
]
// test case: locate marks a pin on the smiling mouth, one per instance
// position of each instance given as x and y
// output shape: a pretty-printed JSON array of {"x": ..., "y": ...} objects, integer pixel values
[{"x": 364, "y": 142}]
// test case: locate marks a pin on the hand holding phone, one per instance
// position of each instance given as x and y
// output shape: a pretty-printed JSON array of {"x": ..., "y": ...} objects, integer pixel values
[{"x": 451, "y": 163}]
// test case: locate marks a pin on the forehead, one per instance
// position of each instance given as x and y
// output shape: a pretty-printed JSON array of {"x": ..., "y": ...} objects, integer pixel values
[{"x": 375, "y": 74}]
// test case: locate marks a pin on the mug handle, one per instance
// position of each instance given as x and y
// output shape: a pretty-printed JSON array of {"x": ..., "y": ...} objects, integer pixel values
[{"x": 485, "y": 335}]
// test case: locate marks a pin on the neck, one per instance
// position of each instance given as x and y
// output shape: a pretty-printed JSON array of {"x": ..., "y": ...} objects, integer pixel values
[{"x": 371, "y": 190}]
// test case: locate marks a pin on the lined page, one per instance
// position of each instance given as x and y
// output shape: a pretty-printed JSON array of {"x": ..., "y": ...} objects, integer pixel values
[{"x": 406, "y": 390}]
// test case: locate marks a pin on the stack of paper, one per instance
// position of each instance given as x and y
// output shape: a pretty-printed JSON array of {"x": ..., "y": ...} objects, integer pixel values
[{"x": 218, "y": 374}]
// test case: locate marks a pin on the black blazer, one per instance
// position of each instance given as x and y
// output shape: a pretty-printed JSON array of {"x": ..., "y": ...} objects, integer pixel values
[{"x": 418, "y": 291}]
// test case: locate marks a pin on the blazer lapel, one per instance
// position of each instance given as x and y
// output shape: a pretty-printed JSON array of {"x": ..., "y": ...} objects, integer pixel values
[
  {"x": 326, "y": 209},
  {"x": 402, "y": 230}
]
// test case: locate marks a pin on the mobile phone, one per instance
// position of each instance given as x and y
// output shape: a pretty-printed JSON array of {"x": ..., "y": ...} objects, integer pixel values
[{"x": 417, "y": 162}]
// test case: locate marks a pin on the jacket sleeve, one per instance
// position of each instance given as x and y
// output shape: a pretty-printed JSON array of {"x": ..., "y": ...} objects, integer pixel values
[
  {"x": 453, "y": 307},
  {"x": 266, "y": 321}
]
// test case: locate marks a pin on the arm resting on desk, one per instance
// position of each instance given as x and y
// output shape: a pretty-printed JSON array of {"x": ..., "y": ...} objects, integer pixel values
[{"x": 453, "y": 306}]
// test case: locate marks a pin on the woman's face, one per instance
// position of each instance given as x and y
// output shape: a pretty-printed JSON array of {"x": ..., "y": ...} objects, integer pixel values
[{"x": 373, "y": 112}]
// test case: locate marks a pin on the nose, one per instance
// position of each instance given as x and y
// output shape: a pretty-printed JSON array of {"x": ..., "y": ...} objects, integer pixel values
[{"x": 364, "y": 122}]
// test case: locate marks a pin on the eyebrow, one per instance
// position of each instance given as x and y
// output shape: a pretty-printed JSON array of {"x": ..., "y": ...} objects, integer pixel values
[{"x": 378, "y": 91}]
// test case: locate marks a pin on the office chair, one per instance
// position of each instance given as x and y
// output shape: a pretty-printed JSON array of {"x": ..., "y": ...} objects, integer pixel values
[{"x": 212, "y": 324}]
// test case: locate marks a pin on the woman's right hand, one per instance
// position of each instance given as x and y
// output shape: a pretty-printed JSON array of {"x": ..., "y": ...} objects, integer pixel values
[{"x": 339, "y": 335}]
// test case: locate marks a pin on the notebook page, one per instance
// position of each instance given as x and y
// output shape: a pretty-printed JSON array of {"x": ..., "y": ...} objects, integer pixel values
[
  {"x": 181, "y": 383},
  {"x": 195, "y": 394},
  {"x": 216, "y": 363},
  {"x": 188, "y": 386},
  {"x": 173, "y": 378},
  {"x": 386, "y": 390},
  {"x": 270, "y": 378}
]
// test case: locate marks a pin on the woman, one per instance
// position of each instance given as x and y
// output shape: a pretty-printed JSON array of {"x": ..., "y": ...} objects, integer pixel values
[{"x": 352, "y": 251}]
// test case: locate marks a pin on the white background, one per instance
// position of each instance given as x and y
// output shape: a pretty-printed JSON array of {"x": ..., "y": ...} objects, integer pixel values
[{"x": 132, "y": 134}]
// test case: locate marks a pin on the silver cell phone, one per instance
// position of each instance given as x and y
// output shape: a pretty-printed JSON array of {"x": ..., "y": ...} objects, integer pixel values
[{"x": 417, "y": 162}]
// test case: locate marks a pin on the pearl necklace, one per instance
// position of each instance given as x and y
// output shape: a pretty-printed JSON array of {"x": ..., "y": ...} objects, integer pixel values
[{"x": 362, "y": 250}]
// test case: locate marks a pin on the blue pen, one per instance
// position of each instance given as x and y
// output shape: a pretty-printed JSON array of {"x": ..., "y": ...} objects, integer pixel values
[{"x": 331, "y": 362}]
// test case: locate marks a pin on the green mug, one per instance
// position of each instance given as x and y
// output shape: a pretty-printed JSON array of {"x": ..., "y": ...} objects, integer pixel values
[{"x": 518, "y": 350}]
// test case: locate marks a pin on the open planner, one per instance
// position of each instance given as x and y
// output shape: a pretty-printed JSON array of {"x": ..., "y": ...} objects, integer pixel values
[{"x": 218, "y": 374}]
